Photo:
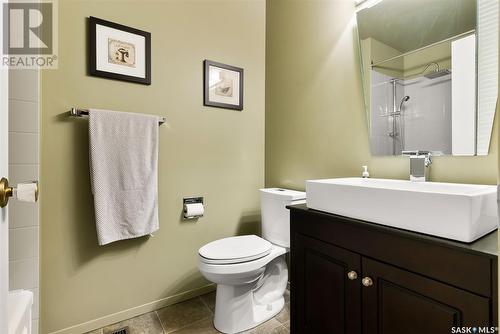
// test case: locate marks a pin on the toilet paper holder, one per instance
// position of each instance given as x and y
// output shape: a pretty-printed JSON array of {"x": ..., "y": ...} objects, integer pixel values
[
  {"x": 191, "y": 200},
  {"x": 6, "y": 191}
]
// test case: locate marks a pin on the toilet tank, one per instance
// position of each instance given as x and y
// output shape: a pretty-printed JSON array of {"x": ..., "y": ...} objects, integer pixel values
[{"x": 275, "y": 216}]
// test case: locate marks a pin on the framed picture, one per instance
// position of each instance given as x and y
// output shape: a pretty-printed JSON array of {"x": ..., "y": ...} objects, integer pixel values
[
  {"x": 223, "y": 86},
  {"x": 119, "y": 52}
]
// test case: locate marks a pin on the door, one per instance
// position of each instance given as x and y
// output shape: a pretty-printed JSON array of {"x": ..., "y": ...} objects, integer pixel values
[
  {"x": 326, "y": 293},
  {"x": 397, "y": 301},
  {"x": 4, "y": 236}
]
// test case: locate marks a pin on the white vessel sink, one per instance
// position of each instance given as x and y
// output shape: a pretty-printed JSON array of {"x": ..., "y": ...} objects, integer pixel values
[{"x": 462, "y": 212}]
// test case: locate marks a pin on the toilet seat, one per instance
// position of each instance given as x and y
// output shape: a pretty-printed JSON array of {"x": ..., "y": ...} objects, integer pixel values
[
  {"x": 242, "y": 268},
  {"x": 235, "y": 250}
]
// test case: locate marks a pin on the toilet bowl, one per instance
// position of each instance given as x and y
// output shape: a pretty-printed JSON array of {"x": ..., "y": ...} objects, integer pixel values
[{"x": 251, "y": 272}]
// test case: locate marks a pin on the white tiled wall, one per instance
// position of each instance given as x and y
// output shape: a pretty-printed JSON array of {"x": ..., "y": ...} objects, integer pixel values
[
  {"x": 381, "y": 105},
  {"x": 426, "y": 116},
  {"x": 23, "y": 166}
]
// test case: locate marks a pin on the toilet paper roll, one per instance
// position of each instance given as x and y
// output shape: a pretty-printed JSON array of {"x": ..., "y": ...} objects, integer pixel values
[
  {"x": 193, "y": 210},
  {"x": 26, "y": 192}
]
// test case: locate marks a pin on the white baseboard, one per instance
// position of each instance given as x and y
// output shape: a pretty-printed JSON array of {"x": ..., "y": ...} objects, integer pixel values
[{"x": 135, "y": 311}]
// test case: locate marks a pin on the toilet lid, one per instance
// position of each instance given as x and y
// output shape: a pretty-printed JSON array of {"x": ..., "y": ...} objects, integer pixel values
[{"x": 235, "y": 249}]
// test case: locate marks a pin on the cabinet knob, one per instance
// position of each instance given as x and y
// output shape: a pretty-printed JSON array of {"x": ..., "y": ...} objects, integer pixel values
[
  {"x": 367, "y": 281},
  {"x": 352, "y": 275}
]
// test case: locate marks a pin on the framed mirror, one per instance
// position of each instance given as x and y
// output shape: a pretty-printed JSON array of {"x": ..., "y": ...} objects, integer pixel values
[{"x": 430, "y": 74}]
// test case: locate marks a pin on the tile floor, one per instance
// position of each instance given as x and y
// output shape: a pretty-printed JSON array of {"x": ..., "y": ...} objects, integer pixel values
[{"x": 193, "y": 316}]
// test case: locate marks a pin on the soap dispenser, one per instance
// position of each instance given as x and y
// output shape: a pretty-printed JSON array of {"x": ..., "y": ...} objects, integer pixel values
[{"x": 365, "y": 172}]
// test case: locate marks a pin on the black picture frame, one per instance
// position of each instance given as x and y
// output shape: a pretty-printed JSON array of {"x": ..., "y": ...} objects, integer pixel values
[
  {"x": 92, "y": 52},
  {"x": 206, "y": 86}
]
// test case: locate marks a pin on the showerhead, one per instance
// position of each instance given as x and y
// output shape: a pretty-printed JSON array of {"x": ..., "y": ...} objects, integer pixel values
[
  {"x": 403, "y": 100},
  {"x": 437, "y": 74}
]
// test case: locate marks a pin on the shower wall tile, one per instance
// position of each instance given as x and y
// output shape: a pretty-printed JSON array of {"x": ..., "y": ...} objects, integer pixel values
[
  {"x": 22, "y": 214},
  {"x": 23, "y": 243},
  {"x": 24, "y": 85},
  {"x": 24, "y": 166},
  {"x": 23, "y": 116},
  {"x": 34, "y": 326},
  {"x": 23, "y": 274},
  {"x": 23, "y": 173},
  {"x": 23, "y": 148}
]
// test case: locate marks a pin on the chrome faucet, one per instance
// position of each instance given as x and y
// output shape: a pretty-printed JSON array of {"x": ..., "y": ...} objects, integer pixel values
[{"x": 419, "y": 163}]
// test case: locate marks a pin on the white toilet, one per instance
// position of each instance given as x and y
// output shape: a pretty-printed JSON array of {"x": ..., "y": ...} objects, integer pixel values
[{"x": 250, "y": 272}]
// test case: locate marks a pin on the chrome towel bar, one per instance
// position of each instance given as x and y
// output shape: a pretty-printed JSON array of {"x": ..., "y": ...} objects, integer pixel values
[{"x": 75, "y": 112}]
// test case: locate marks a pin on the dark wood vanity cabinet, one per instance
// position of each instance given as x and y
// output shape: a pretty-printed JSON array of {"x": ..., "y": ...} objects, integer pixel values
[
  {"x": 404, "y": 302},
  {"x": 353, "y": 277},
  {"x": 326, "y": 301}
]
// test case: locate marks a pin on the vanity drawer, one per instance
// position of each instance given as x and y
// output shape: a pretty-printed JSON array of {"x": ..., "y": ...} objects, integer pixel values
[{"x": 428, "y": 256}]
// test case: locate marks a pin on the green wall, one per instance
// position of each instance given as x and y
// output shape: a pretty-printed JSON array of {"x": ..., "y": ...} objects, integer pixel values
[
  {"x": 303, "y": 69},
  {"x": 315, "y": 122},
  {"x": 211, "y": 152}
]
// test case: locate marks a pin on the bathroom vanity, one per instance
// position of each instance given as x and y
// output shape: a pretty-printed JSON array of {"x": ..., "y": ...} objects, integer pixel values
[{"x": 353, "y": 276}]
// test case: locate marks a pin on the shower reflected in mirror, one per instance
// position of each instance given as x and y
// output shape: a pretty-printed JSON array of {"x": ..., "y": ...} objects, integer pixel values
[{"x": 421, "y": 69}]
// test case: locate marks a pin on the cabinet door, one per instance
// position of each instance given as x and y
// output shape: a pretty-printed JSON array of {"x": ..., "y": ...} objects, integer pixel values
[
  {"x": 324, "y": 299},
  {"x": 403, "y": 302}
]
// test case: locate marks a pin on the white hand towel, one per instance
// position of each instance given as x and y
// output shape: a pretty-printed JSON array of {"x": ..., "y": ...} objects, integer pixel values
[{"x": 124, "y": 174}]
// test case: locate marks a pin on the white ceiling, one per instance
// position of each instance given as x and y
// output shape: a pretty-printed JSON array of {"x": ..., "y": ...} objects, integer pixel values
[{"x": 410, "y": 24}]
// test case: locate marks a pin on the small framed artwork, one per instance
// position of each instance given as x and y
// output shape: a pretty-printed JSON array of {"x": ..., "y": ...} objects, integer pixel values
[
  {"x": 223, "y": 86},
  {"x": 119, "y": 52}
]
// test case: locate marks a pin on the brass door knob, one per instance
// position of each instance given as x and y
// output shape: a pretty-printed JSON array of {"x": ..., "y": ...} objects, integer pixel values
[
  {"x": 352, "y": 275},
  {"x": 367, "y": 281},
  {"x": 26, "y": 192},
  {"x": 5, "y": 192}
]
